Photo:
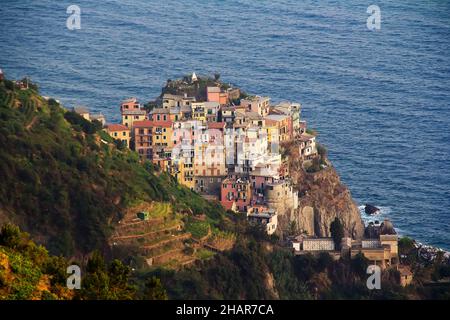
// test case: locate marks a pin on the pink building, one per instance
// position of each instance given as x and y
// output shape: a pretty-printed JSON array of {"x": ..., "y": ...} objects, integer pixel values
[
  {"x": 236, "y": 194},
  {"x": 130, "y": 104}
]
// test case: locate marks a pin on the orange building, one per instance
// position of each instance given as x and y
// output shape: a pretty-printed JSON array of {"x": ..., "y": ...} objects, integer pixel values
[
  {"x": 119, "y": 132},
  {"x": 283, "y": 123},
  {"x": 142, "y": 135},
  {"x": 215, "y": 94}
]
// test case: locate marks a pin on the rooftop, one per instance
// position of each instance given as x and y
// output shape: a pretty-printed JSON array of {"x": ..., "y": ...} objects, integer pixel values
[
  {"x": 132, "y": 99},
  {"x": 143, "y": 124},
  {"x": 277, "y": 117},
  {"x": 216, "y": 125},
  {"x": 213, "y": 89},
  {"x": 117, "y": 127},
  {"x": 134, "y": 112}
]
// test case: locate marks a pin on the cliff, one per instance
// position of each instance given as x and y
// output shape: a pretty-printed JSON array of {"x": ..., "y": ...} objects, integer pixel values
[{"x": 322, "y": 197}]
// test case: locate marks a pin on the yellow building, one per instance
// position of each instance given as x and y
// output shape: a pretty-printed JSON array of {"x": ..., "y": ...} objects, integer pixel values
[
  {"x": 273, "y": 139},
  {"x": 185, "y": 173},
  {"x": 162, "y": 143},
  {"x": 382, "y": 251},
  {"x": 119, "y": 132},
  {"x": 199, "y": 111}
]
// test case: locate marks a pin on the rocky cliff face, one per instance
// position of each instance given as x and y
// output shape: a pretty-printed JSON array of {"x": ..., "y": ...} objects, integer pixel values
[{"x": 322, "y": 197}]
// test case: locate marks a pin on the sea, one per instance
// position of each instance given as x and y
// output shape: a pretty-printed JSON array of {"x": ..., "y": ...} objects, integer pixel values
[{"x": 378, "y": 97}]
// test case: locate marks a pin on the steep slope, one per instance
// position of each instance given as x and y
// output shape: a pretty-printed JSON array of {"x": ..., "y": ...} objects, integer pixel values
[{"x": 64, "y": 181}]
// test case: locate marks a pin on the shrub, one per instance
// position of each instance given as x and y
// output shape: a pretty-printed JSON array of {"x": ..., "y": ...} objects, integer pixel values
[{"x": 10, "y": 236}]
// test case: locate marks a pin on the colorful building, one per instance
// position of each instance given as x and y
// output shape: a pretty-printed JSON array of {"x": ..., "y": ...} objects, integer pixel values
[
  {"x": 142, "y": 136},
  {"x": 262, "y": 215},
  {"x": 307, "y": 146},
  {"x": 216, "y": 94},
  {"x": 283, "y": 123},
  {"x": 119, "y": 132},
  {"x": 132, "y": 111},
  {"x": 172, "y": 100},
  {"x": 260, "y": 105},
  {"x": 236, "y": 194},
  {"x": 198, "y": 111},
  {"x": 162, "y": 142}
]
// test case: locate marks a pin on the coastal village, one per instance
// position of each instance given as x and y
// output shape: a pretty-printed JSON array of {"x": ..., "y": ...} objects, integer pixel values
[
  {"x": 229, "y": 147},
  {"x": 224, "y": 151}
]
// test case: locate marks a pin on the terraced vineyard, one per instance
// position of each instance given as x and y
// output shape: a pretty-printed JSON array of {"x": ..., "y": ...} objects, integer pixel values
[{"x": 161, "y": 240}]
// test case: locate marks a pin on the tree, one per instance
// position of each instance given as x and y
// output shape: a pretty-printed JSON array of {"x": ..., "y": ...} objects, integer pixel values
[
  {"x": 106, "y": 283},
  {"x": 154, "y": 290},
  {"x": 359, "y": 265},
  {"x": 337, "y": 232},
  {"x": 10, "y": 236}
]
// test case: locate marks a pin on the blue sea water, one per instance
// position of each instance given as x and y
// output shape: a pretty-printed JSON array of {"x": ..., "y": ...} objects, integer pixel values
[{"x": 379, "y": 99}]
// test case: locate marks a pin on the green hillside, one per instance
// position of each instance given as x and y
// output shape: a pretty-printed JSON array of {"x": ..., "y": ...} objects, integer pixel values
[{"x": 66, "y": 183}]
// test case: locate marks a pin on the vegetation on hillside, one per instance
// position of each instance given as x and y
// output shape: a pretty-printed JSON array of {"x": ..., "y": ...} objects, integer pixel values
[
  {"x": 29, "y": 272},
  {"x": 67, "y": 187}
]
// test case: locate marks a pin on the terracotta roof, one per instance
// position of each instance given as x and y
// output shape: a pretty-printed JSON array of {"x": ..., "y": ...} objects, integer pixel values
[
  {"x": 216, "y": 125},
  {"x": 165, "y": 124},
  {"x": 143, "y": 124},
  {"x": 117, "y": 127}
]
